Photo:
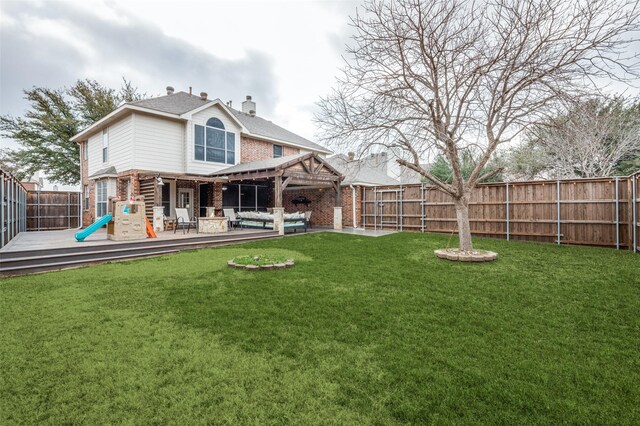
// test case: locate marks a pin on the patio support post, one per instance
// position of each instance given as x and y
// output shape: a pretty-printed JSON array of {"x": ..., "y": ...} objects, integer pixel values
[
  {"x": 278, "y": 220},
  {"x": 278, "y": 191},
  {"x": 158, "y": 222}
]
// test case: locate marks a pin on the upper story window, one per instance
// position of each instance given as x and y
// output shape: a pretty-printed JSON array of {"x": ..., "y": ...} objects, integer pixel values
[
  {"x": 105, "y": 145},
  {"x": 277, "y": 151},
  {"x": 214, "y": 144}
]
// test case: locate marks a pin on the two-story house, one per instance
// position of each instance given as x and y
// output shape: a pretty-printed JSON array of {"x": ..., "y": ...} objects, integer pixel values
[{"x": 174, "y": 150}]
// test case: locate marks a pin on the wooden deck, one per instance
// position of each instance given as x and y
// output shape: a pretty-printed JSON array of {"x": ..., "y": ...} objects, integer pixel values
[
  {"x": 43, "y": 251},
  {"x": 44, "y": 240}
]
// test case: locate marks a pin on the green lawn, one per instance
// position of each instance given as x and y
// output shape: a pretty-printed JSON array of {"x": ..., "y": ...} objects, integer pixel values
[{"x": 360, "y": 331}]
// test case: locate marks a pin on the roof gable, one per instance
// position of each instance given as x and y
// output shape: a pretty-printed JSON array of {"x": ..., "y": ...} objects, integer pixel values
[{"x": 308, "y": 166}]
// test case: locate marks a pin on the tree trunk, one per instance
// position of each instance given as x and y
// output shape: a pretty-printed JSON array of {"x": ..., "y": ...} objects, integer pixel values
[{"x": 464, "y": 228}]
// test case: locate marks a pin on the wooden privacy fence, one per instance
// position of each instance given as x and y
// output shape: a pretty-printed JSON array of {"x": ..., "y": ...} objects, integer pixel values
[
  {"x": 602, "y": 211},
  {"x": 13, "y": 213},
  {"x": 51, "y": 210}
]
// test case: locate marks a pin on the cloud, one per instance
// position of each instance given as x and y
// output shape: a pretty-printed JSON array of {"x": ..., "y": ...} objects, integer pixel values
[{"x": 53, "y": 44}]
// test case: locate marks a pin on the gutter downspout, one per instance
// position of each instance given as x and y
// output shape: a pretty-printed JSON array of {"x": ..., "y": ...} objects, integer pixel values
[
  {"x": 353, "y": 205},
  {"x": 81, "y": 205}
]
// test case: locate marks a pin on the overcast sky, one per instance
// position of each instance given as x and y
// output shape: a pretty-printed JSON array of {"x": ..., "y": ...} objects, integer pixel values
[{"x": 283, "y": 53}]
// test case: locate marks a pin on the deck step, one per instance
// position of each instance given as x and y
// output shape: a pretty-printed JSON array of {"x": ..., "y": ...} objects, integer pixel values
[
  {"x": 83, "y": 247},
  {"x": 27, "y": 262}
]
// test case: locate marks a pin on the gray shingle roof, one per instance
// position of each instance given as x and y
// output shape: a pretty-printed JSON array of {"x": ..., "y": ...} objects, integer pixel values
[
  {"x": 178, "y": 103},
  {"x": 360, "y": 172},
  {"x": 182, "y": 102},
  {"x": 106, "y": 172},
  {"x": 262, "y": 127},
  {"x": 270, "y": 163}
]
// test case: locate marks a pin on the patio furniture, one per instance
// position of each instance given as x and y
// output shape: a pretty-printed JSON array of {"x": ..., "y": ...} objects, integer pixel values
[
  {"x": 307, "y": 216},
  {"x": 184, "y": 221},
  {"x": 262, "y": 220},
  {"x": 169, "y": 223},
  {"x": 230, "y": 214}
]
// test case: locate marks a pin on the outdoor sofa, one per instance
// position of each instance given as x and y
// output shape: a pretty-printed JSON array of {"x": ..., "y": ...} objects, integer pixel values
[{"x": 263, "y": 220}]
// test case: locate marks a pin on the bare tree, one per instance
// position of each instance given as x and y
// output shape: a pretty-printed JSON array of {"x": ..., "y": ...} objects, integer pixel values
[
  {"x": 592, "y": 139},
  {"x": 438, "y": 77}
]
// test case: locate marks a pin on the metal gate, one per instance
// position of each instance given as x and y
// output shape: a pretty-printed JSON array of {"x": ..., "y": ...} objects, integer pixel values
[{"x": 388, "y": 209}]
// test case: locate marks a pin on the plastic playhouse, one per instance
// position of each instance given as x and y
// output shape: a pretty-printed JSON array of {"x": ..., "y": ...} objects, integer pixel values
[{"x": 125, "y": 221}]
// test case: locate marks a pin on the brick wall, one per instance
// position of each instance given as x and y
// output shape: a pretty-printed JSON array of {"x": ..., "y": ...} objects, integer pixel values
[
  {"x": 88, "y": 211},
  {"x": 125, "y": 180},
  {"x": 254, "y": 149},
  {"x": 322, "y": 204}
]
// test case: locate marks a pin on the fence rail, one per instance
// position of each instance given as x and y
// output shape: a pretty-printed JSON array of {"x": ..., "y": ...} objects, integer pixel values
[
  {"x": 602, "y": 211},
  {"x": 52, "y": 210},
  {"x": 13, "y": 211}
]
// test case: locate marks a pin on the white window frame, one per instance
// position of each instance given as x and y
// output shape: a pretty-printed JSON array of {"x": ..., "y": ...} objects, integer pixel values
[
  {"x": 105, "y": 145},
  {"x": 204, "y": 146},
  {"x": 102, "y": 188},
  {"x": 86, "y": 197}
]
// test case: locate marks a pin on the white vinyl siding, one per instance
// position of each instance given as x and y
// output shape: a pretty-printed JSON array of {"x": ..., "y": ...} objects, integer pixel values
[
  {"x": 159, "y": 144},
  {"x": 120, "y": 147},
  {"x": 200, "y": 119}
]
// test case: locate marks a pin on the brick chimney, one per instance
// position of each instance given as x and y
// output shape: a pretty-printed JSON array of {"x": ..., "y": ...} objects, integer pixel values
[{"x": 249, "y": 107}]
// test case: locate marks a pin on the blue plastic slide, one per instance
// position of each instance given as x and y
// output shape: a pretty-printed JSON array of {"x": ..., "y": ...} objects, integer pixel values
[{"x": 80, "y": 236}]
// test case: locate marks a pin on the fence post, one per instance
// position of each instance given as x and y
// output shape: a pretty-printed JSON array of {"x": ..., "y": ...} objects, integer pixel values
[
  {"x": 617, "y": 214},
  {"x": 401, "y": 209},
  {"x": 635, "y": 215},
  {"x": 558, "y": 202},
  {"x": 375, "y": 209},
  {"x": 38, "y": 207},
  {"x": 422, "y": 207},
  {"x": 10, "y": 209},
  {"x": 508, "y": 227},
  {"x": 69, "y": 209},
  {"x": 2, "y": 210}
]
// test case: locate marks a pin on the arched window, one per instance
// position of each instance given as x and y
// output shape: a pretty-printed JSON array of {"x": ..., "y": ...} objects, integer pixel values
[
  {"x": 213, "y": 143},
  {"x": 215, "y": 122}
]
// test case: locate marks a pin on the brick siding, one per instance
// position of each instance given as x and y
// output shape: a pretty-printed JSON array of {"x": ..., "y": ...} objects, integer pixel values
[
  {"x": 322, "y": 203},
  {"x": 254, "y": 149},
  {"x": 89, "y": 211}
]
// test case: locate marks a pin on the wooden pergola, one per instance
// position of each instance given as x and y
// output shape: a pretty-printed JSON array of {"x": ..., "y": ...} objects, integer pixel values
[{"x": 303, "y": 170}]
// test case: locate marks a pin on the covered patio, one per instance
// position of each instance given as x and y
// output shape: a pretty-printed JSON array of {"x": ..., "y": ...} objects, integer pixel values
[{"x": 277, "y": 179}]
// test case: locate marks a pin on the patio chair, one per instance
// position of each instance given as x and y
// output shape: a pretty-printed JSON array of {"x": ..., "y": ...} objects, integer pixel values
[
  {"x": 230, "y": 214},
  {"x": 307, "y": 217},
  {"x": 184, "y": 221}
]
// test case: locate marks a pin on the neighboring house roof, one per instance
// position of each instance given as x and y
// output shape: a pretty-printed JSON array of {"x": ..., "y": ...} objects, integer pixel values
[
  {"x": 106, "y": 172},
  {"x": 178, "y": 104},
  {"x": 360, "y": 172}
]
